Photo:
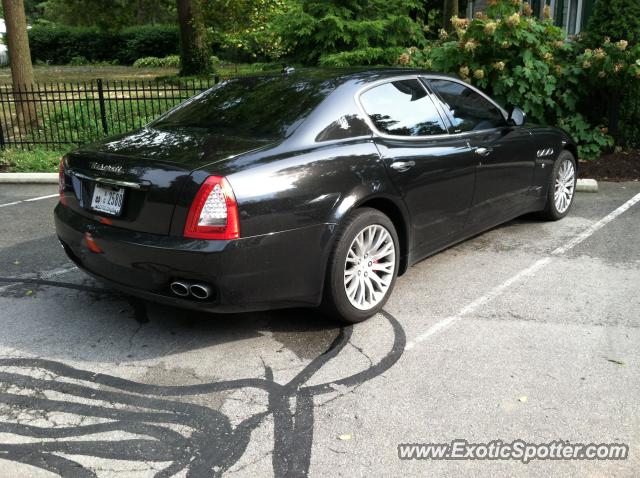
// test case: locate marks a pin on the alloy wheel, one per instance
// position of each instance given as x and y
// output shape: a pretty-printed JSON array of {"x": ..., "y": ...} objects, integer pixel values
[
  {"x": 564, "y": 186},
  {"x": 369, "y": 267}
]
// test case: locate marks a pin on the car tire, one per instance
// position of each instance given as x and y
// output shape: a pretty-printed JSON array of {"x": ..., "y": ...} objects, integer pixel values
[
  {"x": 561, "y": 183},
  {"x": 373, "y": 272}
]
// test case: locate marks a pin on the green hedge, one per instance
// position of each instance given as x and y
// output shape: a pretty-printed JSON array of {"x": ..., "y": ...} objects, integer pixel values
[
  {"x": 60, "y": 44},
  {"x": 139, "y": 42}
]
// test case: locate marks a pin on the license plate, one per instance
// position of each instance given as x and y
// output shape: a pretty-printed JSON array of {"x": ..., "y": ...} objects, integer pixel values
[{"x": 107, "y": 199}]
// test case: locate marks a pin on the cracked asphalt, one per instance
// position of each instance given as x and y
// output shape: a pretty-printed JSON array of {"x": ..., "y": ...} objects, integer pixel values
[{"x": 499, "y": 337}]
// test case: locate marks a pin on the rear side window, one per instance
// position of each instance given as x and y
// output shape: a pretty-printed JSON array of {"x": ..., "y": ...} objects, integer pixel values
[
  {"x": 469, "y": 110},
  {"x": 402, "y": 108}
]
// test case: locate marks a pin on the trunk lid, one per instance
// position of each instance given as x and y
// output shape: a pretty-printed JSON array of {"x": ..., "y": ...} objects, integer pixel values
[{"x": 149, "y": 167}]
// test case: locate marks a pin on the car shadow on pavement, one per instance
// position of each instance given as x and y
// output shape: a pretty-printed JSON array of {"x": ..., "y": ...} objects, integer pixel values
[{"x": 83, "y": 320}]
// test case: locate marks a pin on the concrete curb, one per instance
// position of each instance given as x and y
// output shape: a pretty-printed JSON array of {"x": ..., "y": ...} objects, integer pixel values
[
  {"x": 28, "y": 178},
  {"x": 587, "y": 186}
]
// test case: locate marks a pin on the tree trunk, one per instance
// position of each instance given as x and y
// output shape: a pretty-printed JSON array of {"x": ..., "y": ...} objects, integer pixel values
[
  {"x": 143, "y": 16},
  {"x": 20, "y": 60},
  {"x": 194, "y": 54},
  {"x": 450, "y": 9}
]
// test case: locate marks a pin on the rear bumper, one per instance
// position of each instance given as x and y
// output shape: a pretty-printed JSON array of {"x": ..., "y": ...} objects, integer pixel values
[{"x": 284, "y": 269}]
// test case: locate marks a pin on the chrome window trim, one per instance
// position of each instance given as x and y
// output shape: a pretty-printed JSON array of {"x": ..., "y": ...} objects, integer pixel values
[
  {"x": 330, "y": 142},
  {"x": 504, "y": 113},
  {"x": 420, "y": 77},
  {"x": 373, "y": 127},
  {"x": 463, "y": 83}
]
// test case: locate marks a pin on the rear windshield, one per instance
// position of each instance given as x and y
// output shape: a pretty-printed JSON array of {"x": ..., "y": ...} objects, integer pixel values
[{"x": 260, "y": 107}]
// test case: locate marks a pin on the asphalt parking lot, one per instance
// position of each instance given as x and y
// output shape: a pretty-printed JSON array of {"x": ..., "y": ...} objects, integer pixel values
[{"x": 530, "y": 331}]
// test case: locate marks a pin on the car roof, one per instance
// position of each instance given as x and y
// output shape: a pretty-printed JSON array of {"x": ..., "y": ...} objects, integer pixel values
[{"x": 357, "y": 75}]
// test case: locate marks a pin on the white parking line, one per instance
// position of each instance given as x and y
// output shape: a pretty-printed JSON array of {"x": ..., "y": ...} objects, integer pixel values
[
  {"x": 597, "y": 226},
  {"x": 29, "y": 200},
  {"x": 447, "y": 322},
  {"x": 41, "y": 275},
  {"x": 41, "y": 197}
]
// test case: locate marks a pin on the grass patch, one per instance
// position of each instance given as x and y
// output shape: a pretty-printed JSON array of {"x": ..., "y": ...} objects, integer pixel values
[
  {"x": 30, "y": 161},
  {"x": 74, "y": 74},
  {"x": 226, "y": 70}
]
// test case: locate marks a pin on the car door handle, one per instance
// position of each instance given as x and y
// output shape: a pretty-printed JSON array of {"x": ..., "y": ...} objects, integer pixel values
[
  {"x": 483, "y": 151},
  {"x": 403, "y": 165}
]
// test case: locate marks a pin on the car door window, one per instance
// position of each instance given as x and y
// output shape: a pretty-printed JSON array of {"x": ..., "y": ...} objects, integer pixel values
[
  {"x": 470, "y": 111},
  {"x": 402, "y": 108}
]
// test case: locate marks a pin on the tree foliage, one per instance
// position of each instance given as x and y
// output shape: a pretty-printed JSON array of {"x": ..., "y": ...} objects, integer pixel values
[
  {"x": 346, "y": 32},
  {"x": 60, "y": 44},
  {"x": 104, "y": 14},
  {"x": 526, "y": 62},
  {"x": 243, "y": 28},
  {"x": 32, "y": 8},
  {"x": 614, "y": 19},
  {"x": 518, "y": 58}
]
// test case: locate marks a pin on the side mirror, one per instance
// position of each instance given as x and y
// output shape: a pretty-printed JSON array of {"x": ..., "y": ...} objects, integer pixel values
[{"x": 517, "y": 117}]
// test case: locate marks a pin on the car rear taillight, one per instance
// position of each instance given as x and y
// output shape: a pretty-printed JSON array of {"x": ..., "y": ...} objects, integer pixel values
[
  {"x": 61, "y": 182},
  {"x": 214, "y": 212}
]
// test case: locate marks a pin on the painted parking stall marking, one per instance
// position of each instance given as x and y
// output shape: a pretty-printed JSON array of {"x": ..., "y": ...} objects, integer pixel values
[
  {"x": 29, "y": 200},
  {"x": 447, "y": 322},
  {"x": 42, "y": 275},
  {"x": 597, "y": 226}
]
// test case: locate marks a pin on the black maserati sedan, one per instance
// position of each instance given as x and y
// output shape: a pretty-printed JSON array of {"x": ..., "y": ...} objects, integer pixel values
[{"x": 307, "y": 188}]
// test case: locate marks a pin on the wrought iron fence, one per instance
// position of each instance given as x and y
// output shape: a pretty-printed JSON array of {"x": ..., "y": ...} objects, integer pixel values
[{"x": 52, "y": 115}]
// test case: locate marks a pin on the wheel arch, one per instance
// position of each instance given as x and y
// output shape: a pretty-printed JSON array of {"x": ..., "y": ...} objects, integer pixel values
[
  {"x": 573, "y": 149},
  {"x": 392, "y": 208}
]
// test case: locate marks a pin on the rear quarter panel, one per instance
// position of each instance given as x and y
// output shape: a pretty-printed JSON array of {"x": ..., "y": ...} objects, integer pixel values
[{"x": 283, "y": 188}]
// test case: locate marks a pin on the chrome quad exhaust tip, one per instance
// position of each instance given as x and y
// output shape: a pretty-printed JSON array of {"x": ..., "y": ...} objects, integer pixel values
[
  {"x": 200, "y": 291},
  {"x": 180, "y": 289}
]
